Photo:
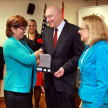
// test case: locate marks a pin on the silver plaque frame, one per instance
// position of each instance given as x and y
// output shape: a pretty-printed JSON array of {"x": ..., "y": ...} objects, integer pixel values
[{"x": 44, "y": 63}]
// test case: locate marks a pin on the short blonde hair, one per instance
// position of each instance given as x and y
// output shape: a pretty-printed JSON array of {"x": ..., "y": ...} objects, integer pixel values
[{"x": 97, "y": 27}]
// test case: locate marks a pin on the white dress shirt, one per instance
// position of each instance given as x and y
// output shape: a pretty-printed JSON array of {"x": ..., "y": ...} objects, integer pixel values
[{"x": 60, "y": 27}]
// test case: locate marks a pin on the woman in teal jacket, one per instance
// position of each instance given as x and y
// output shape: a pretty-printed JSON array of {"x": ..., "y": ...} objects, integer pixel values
[
  {"x": 93, "y": 63},
  {"x": 21, "y": 65}
]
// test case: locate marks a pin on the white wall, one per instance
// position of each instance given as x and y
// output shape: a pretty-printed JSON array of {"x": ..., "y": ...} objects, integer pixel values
[
  {"x": 97, "y": 10},
  {"x": 12, "y": 7}
]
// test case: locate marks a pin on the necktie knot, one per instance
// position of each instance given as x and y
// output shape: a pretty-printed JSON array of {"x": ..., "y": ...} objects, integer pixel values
[
  {"x": 56, "y": 29},
  {"x": 55, "y": 37}
]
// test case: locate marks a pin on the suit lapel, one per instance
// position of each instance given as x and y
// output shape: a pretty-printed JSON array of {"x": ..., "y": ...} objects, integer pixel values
[
  {"x": 50, "y": 34},
  {"x": 21, "y": 45},
  {"x": 91, "y": 51},
  {"x": 27, "y": 47},
  {"x": 61, "y": 37},
  {"x": 88, "y": 54},
  {"x": 79, "y": 63}
]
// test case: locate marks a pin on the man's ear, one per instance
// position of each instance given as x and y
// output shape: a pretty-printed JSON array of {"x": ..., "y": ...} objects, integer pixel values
[{"x": 59, "y": 14}]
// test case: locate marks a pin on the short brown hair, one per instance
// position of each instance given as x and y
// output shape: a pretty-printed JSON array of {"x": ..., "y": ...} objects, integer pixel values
[
  {"x": 97, "y": 27},
  {"x": 15, "y": 21}
]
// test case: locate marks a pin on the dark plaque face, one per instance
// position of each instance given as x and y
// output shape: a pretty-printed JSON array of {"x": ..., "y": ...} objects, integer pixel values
[{"x": 44, "y": 63}]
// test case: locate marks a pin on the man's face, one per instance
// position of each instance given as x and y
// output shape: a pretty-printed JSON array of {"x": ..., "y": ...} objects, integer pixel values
[{"x": 52, "y": 18}]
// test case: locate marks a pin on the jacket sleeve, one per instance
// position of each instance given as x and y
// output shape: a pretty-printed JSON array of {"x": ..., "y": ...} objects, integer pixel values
[
  {"x": 101, "y": 77},
  {"x": 18, "y": 53}
]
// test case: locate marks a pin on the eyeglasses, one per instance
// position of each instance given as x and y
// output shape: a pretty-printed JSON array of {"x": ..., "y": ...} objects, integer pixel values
[
  {"x": 83, "y": 28},
  {"x": 22, "y": 28}
]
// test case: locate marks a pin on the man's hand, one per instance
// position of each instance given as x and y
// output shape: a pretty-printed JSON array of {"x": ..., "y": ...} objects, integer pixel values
[
  {"x": 37, "y": 54},
  {"x": 41, "y": 51},
  {"x": 59, "y": 73}
]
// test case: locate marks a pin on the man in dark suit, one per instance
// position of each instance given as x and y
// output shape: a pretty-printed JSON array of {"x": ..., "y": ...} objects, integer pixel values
[{"x": 60, "y": 85}]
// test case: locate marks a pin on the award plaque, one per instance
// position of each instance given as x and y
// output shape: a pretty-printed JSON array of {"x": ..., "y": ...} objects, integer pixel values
[{"x": 44, "y": 63}]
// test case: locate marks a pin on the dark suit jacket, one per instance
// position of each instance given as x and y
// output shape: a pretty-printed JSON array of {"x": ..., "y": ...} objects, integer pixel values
[
  {"x": 65, "y": 54},
  {"x": 1, "y": 63}
]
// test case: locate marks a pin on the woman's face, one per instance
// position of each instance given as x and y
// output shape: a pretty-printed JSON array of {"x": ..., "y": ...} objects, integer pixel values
[
  {"x": 18, "y": 33},
  {"x": 31, "y": 27},
  {"x": 84, "y": 32}
]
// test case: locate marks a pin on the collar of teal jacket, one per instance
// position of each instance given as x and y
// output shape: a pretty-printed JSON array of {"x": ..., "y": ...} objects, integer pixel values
[
  {"x": 90, "y": 52},
  {"x": 21, "y": 43}
]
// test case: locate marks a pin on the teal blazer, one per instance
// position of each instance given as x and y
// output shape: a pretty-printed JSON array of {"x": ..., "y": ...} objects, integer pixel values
[
  {"x": 94, "y": 75},
  {"x": 19, "y": 66}
]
